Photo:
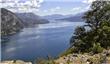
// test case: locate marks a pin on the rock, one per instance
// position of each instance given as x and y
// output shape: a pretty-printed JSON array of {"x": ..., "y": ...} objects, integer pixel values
[
  {"x": 61, "y": 63},
  {"x": 88, "y": 62},
  {"x": 85, "y": 58},
  {"x": 75, "y": 55},
  {"x": 15, "y": 62},
  {"x": 10, "y": 23},
  {"x": 108, "y": 53}
]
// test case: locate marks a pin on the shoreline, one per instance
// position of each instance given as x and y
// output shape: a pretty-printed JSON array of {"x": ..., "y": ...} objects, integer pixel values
[{"x": 74, "y": 58}]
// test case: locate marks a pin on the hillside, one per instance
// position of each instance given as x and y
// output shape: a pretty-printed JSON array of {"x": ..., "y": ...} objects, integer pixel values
[
  {"x": 55, "y": 16},
  {"x": 71, "y": 18},
  {"x": 74, "y": 18},
  {"x": 30, "y": 19},
  {"x": 10, "y": 23}
]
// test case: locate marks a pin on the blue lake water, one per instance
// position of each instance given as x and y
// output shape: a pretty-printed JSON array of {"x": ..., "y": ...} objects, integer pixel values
[{"x": 46, "y": 39}]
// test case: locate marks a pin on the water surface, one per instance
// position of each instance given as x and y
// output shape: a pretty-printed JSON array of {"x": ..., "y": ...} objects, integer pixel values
[{"x": 46, "y": 39}]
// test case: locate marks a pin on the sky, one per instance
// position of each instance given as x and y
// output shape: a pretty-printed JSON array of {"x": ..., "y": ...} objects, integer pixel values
[{"x": 47, "y": 7}]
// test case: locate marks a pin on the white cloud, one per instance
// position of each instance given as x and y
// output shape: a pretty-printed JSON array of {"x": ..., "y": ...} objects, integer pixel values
[
  {"x": 63, "y": 0},
  {"x": 88, "y": 1},
  {"x": 77, "y": 10},
  {"x": 55, "y": 9},
  {"x": 41, "y": 1},
  {"x": 21, "y": 5},
  {"x": 88, "y": 7},
  {"x": 45, "y": 11},
  {"x": 58, "y": 8}
]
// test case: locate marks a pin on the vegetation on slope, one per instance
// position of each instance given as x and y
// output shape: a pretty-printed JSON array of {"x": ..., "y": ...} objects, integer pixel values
[{"x": 95, "y": 35}]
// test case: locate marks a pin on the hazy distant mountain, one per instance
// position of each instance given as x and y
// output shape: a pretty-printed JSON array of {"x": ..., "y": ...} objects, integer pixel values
[
  {"x": 55, "y": 16},
  {"x": 10, "y": 23},
  {"x": 72, "y": 18},
  {"x": 30, "y": 19},
  {"x": 75, "y": 18}
]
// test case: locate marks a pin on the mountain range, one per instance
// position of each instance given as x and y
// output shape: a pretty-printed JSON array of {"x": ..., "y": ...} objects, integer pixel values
[
  {"x": 11, "y": 22},
  {"x": 55, "y": 16},
  {"x": 30, "y": 19},
  {"x": 72, "y": 18}
]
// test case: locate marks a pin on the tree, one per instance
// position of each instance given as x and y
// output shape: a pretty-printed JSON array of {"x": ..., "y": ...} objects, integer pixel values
[{"x": 96, "y": 30}]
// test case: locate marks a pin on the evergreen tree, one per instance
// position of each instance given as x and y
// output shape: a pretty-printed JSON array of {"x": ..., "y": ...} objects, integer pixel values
[{"x": 96, "y": 31}]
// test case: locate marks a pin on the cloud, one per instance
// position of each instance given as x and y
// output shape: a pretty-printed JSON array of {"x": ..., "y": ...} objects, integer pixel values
[
  {"x": 88, "y": 7},
  {"x": 45, "y": 11},
  {"x": 77, "y": 10},
  {"x": 21, "y": 5},
  {"x": 88, "y": 1},
  {"x": 62, "y": 0},
  {"x": 41, "y": 1},
  {"x": 55, "y": 9}
]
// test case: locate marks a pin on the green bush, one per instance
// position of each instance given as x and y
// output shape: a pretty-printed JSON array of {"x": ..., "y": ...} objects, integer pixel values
[
  {"x": 95, "y": 34},
  {"x": 97, "y": 48}
]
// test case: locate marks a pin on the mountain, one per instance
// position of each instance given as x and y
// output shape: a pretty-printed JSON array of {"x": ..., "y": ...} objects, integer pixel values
[
  {"x": 71, "y": 18},
  {"x": 55, "y": 16},
  {"x": 10, "y": 23},
  {"x": 30, "y": 19},
  {"x": 74, "y": 18}
]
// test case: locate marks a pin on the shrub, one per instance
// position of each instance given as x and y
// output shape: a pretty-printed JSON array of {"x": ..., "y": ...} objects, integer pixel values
[{"x": 97, "y": 48}]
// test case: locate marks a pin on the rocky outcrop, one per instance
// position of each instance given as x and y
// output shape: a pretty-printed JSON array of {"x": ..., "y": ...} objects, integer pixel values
[
  {"x": 15, "y": 62},
  {"x": 10, "y": 23},
  {"x": 86, "y": 58}
]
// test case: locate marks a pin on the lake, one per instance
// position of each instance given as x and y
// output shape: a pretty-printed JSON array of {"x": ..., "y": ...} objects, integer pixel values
[{"x": 47, "y": 39}]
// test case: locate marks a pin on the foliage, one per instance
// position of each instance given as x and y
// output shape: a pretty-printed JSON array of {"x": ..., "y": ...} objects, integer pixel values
[
  {"x": 95, "y": 35},
  {"x": 97, "y": 48}
]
